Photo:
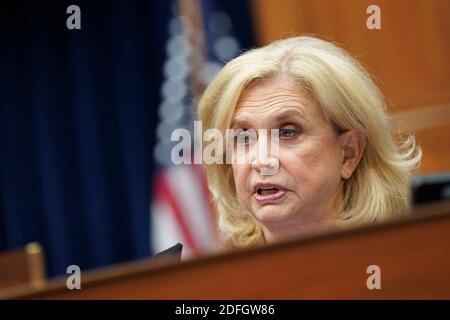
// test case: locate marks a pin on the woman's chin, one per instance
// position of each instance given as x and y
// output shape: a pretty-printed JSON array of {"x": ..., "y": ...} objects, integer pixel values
[{"x": 273, "y": 213}]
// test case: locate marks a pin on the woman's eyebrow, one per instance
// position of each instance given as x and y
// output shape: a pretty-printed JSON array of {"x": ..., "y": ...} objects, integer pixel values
[
  {"x": 239, "y": 122},
  {"x": 283, "y": 116},
  {"x": 287, "y": 115}
]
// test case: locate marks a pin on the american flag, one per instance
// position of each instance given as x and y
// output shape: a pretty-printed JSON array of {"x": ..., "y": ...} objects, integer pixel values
[{"x": 200, "y": 41}]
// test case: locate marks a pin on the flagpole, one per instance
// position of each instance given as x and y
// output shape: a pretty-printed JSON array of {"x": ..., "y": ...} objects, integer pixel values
[{"x": 194, "y": 31}]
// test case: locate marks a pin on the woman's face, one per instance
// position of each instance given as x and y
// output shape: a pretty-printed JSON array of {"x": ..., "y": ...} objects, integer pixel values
[{"x": 306, "y": 189}]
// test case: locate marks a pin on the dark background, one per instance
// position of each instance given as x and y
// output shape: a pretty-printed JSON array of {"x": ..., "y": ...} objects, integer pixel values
[{"x": 77, "y": 120}]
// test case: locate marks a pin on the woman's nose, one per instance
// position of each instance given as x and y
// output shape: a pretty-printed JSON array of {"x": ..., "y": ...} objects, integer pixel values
[
  {"x": 266, "y": 166},
  {"x": 265, "y": 162},
  {"x": 261, "y": 162}
]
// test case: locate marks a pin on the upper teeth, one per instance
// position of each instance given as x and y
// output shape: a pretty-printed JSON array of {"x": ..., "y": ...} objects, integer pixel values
[{"x": 267, "y": 190}]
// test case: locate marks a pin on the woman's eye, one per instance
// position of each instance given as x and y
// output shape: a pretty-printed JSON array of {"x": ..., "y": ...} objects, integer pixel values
[
  {"x": 244, "y": 136},
  {"x": 288, "y": 132}
]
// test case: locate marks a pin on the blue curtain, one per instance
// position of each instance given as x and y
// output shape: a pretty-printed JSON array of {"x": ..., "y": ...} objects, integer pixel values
[
  {"x": 78, "y": 112},
  {"x": 77, "y": 117}
]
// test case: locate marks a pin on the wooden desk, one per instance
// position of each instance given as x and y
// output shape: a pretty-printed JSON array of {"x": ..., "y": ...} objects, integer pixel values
[{"x": 413, "y": 254}]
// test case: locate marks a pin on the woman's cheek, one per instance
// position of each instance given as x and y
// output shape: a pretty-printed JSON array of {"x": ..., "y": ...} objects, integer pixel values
[{"x": 240, "y": 180}]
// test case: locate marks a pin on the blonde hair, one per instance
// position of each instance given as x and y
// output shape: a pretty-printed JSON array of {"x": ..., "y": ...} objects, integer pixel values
[{"x": 380, "y": 185}]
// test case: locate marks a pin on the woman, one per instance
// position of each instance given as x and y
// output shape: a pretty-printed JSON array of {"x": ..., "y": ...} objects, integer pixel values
[{"x": 337, "y": 162}]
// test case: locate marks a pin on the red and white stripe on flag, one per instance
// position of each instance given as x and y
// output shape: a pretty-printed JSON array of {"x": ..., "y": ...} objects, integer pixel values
[{"x": 181, "y": 211}]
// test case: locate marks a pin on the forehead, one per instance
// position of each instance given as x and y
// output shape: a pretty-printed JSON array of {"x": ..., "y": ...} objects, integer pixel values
[{"x": 275, "y": 99}]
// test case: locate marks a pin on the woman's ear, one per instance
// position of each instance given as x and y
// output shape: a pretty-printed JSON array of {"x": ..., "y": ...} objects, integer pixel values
[{"x": 353, "y": 143}]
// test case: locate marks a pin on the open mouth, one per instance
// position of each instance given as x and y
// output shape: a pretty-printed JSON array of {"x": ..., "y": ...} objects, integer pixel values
[
  {"x": 264, "y": 191},
  {"x": 268, "y": 193}
]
